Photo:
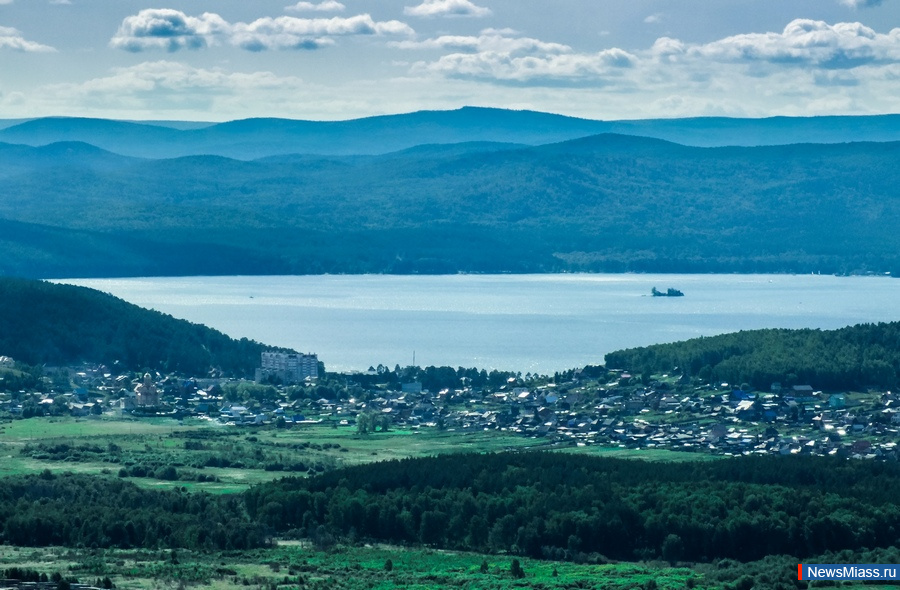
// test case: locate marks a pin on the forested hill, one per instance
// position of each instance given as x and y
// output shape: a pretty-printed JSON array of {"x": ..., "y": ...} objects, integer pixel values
[
  {"x": 852, "y": 357},
  {"x": 607, "y": 203},
  {"x": 59, "y": 324}
]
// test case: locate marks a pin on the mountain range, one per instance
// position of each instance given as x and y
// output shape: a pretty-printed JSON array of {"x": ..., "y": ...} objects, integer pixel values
[
  {"x": 494, "y": 202},
  {"x": 257, "y": 138}
]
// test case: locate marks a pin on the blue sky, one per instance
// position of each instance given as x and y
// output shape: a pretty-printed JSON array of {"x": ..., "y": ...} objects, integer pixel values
[{"x": 329, "y": 59}]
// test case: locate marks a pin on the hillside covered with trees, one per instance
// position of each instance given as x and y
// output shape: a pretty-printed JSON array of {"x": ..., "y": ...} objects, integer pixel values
[
  {"x": 47, "y": 323},
  {"x": 853, "y": 357},
  {"x": 606, "y": 202}
]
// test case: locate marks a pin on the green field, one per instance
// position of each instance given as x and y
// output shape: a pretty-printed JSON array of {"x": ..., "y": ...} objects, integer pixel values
[
  {"x": 164, "y": 441},
  {"x": 296, "y": 565},
  {"x": 642, "y": 454}
]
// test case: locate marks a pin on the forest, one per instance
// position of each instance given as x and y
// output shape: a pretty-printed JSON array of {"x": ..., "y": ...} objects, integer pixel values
[
  {"x": 84, "y": 511},
  {"x": 865, "y": 355},
  {"x": 562, "y": 506},
  {"x": 47, "y": 323},
  {"x": 545, "y": 505},
  {"x": 609, "y": 203}
]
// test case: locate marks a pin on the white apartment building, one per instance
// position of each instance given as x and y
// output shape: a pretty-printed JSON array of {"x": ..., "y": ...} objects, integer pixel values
[{"x": 290, "y": 367}]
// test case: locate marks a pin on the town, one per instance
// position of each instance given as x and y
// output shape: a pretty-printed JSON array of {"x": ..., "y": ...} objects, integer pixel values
[{"x": 584, "y": 407}]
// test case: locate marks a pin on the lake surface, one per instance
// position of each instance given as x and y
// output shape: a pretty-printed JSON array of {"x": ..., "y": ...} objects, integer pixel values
[{"x": 527, "y": 323}]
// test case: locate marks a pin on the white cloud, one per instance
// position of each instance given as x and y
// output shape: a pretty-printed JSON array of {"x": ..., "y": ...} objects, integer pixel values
[
  {"x": 806, "y": 68},
  {"x": 11, "y": 38},
  {"x": 297, "y": 33},
  {"x": 855, "y": 4},
  {"x": 451, "y": 8},
  {"x": 324, "y": 6},
  {"x": 503, "y": 56},
  {"x": 807, "y": 43},
  {"x": 594, "y": 69},
  {"x": 165, "y": 28},
  {"x": 494, "y": 40},
  {"x": 809, "y": 67},
  {"x": 173, "y": 30},
  {"x": 170, "y": 87},
  {"x": 654, "y": 18},
  {"x": 175, "y": 76}
]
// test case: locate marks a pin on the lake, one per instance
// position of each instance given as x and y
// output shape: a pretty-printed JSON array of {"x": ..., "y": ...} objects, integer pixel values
[{"x": 527, "y": 323}]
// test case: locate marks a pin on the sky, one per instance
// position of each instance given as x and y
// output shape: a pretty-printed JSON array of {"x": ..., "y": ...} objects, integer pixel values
[{"x": 336, "y": 60}]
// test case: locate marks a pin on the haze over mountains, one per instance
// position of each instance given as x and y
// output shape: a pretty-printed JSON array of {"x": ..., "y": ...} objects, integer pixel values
[
  {"x": 256, "y": 138},
  {"x": 474, "y": 190}
]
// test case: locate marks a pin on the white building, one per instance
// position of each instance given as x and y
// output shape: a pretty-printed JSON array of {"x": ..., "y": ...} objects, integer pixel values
[{"x": 290, "y": 367}]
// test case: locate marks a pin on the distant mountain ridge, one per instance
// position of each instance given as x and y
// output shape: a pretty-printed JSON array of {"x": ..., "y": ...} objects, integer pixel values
[
  {"x": 251, "y": 139},
  {"x": 76, "y": 154}
]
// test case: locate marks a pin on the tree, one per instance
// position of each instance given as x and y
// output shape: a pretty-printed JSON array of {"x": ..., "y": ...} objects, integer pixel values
[
  {"x": 59, "y": 407},
  {"x": 363, "y": 423},
  {"x": 672, "y": 548},
  {"x": 515, "y": 568}
]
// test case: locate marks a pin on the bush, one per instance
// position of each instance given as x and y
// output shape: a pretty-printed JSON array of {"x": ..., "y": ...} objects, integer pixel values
[{"x": 515, "y": 568}]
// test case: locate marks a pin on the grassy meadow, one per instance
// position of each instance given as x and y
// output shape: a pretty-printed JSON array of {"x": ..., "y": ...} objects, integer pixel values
[
  {"x": 106, "y": 444},
  {"x": 295, "y": 565},
  {"x": 292, "y": 565}
]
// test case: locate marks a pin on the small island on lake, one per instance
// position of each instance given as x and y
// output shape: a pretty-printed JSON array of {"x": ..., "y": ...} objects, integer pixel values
[{"x": 670, "y": 292}]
